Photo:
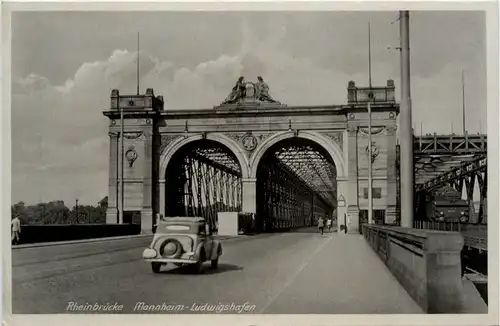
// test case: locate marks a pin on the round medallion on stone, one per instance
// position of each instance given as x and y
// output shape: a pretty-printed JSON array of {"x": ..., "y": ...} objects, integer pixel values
[
  {"x": 391, "y": 115},
  {"x": 131, "y": 156},
  {"x": 352, "y": 116},
  {"x": 249, "y": 142},
  {"x": 375, "y": 152}
]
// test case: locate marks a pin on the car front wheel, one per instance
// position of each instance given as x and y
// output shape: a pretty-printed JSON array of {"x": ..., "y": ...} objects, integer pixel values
[
  {"x": 215, "y": 263},
  {"x": 156, "y": 267}
]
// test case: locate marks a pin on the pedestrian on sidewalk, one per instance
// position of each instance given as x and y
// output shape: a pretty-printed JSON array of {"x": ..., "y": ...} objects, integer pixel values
[
  {"x": 321, "y": 225},
  {"x": 329, "y": 225},
  {"x": 16, "y": 229}
]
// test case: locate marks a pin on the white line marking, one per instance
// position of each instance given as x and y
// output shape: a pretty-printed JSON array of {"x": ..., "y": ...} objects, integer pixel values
[{"x": 304, "y": 265}]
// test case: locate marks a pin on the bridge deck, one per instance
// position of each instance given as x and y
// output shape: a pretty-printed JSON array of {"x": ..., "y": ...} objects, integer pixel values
[{"x": 298, "y": 272}]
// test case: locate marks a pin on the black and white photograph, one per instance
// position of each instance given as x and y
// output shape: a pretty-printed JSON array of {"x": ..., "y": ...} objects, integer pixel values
[{"x": 251, "y": 162}]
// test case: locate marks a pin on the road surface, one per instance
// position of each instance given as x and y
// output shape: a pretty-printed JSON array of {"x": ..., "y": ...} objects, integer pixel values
[{"x": 298, "y": 272}]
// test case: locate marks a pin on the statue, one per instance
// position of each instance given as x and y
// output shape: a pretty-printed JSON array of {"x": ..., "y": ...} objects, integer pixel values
[
  {"x": 238, "y": 92},
  {"x": 247, "y": 93},
  {"x": 262, "y": 91}
]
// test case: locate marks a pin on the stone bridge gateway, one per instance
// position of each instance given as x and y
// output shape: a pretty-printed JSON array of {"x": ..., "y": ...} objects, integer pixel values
[{"x": 229, "y": 146}]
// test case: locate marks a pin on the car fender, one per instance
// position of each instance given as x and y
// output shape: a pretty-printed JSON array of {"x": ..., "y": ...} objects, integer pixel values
[
  {"x": 216, "y": 249},
  {"x": 198, "y": 251}
]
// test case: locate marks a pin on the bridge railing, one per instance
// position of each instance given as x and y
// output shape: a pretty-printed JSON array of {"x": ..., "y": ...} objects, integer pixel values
[
  {"x": 425, "y": 262},
  {"x": 475, "y": 235}
]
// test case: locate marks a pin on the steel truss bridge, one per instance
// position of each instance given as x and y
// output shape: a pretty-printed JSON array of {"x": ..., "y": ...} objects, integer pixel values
[
  {"x": 203, "y": 178},
  {"x": 457, "y": 161},
  {"x": 296, "y": 183},
  {"x": 296, "y": 179}
]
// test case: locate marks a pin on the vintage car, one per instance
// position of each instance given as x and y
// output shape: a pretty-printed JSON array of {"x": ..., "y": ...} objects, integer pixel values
[{"x": 183, "y": 241}]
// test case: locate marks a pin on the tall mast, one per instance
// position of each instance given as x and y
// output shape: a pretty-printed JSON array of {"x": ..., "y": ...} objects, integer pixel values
[
  {"x": 406, "y": 135},
  {"x": 137, "y": 63},
  {"x": 370, "y": 96},
  {"x": 463, "y": 103},
  {"x": 369, "y": 58}
]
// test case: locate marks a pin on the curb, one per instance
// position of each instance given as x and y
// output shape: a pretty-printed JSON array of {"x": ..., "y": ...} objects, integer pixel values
[
  {"x": 61, "y": 243},
  {"x": 138, "y": 236}
]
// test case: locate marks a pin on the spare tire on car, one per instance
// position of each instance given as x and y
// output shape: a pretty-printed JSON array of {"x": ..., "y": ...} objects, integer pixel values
[{"x": 171, "y": 248}]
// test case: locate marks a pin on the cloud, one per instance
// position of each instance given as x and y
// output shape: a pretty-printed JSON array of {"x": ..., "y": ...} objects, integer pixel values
[
  {"x": 60, "y": 136},
  {"x": 60, "y": 139}
]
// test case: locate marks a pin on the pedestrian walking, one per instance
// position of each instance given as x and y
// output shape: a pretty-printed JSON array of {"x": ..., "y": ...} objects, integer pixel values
[
  {"x": 321, "y": 225},
  {"x": 329, "y": 225},
  {"x": 16, "y": 229}
]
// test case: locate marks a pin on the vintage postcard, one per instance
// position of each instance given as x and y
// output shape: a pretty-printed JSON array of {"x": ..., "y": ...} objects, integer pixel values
[{"x": 250, "y": 163}]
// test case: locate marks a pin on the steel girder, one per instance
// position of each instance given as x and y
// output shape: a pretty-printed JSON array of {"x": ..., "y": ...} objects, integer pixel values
[
  {"x": 297, "y": 183},
  {"x": 430, "y": 168},
  {"x": 438, "y": 157},
  {"x": 202, "y": 180},
  {"x": 450, "y": 144},
  {"x": 284, "y": 199},
  {"x": 313, "y": 167},
  {"x": 466, "y": 174},
  {"x": 465, "y": 168}
]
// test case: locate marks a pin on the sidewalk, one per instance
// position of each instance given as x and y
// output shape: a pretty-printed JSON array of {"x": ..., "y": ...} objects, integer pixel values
[{"x": 344, "y": 276}]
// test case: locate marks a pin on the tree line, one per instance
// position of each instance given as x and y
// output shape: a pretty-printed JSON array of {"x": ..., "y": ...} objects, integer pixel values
[{"x": 56, "y": 212}]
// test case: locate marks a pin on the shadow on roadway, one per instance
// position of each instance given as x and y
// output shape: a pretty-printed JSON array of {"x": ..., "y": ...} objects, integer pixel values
[
  {"x": 313, "y": 229},
  {"x": 207, "y": 270}
]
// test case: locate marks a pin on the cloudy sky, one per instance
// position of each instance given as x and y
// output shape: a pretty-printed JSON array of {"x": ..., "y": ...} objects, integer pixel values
[{"x": 64, "y": 66}]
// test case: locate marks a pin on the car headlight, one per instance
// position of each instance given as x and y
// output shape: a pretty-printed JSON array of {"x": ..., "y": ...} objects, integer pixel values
[{"x": 149, "y": 253}]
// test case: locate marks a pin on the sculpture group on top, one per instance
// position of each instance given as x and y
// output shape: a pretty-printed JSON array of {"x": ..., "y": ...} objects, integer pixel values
[{"x": 244, "y": 90}]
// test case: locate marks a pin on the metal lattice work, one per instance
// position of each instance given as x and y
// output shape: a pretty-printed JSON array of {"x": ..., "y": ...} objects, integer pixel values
[
  {"x": 296, "y": 183},
  {"x": 450, "y": 144},
  {"x": 312, "y": 167},
  {"x": 466, "y": 176},
  {"x": 203, "y": 178},
  {"x": 450, "y": 160},
  {"x": 429, "y": 169}
]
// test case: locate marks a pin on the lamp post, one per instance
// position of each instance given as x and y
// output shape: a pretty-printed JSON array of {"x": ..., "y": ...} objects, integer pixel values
[
  {"x": 370, "y": 155},
  {"x": 122, "y": 159},
  {"x": 370, "y": 97},
  {"x": 405, "y": 121}
]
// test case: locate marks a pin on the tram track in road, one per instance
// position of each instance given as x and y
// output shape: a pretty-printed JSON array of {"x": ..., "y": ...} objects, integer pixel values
[
  {"x": 254, "y": 264},
  {"x": 70, "y": 255},
  {"x": 294, "y": 276},
  {"x": 66, "y": 263}
]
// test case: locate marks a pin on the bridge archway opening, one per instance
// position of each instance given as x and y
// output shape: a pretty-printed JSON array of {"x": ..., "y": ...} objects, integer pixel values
[
  {"x": 296, "y": 184},
  {"x": 202, "y": 178}
]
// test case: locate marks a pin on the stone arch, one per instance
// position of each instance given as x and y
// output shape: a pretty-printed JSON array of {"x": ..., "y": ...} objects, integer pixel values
[
  {"x": 329, "y": 145},
  {"x": 177, "y": 144}
]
